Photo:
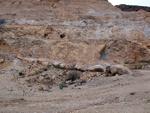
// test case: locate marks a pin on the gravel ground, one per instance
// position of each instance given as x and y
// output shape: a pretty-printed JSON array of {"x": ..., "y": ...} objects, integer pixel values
[{"x": 118, "y": 94}]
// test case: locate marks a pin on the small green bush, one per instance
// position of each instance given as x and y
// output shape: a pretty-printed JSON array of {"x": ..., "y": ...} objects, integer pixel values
[
  {"x": 114, "y": 74},
  {"x": 140, "y": 67},
  {"x": 41, "y": 88},
  {"x": 62, "y": 85},
  {"x": 21, "y": 73},
  {"x": 48, "y": 66},
  {"x": 45, "y": 69},
  {"x": 38, "y": 72},
  {"x": 58, "y": 66}
]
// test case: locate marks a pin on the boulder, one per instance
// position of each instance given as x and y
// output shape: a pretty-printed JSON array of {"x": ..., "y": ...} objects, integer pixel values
[
  {"x": 78, "y": 66},
  {"x": 39, "y": 79},
  {"x": 62, "y": 66},
  {"x": 56, "y": 63},
  {"x": 96, "y": 68},
  {"x": 107, "y": 69},
  {"x": 101, "y": 48},
  {"x": 119, "y": 69},
  {"x": 84, "y": 67},
  {"x": 80, "y": 81}
]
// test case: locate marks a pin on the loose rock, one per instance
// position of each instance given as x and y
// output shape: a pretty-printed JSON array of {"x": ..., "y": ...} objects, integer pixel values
[
  {"x": 119, "y": 69},
  {"x": 96, "y": 68}
]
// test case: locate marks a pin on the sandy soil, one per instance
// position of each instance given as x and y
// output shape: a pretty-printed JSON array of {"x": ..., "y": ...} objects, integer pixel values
[{"x": 118, "y": 94}]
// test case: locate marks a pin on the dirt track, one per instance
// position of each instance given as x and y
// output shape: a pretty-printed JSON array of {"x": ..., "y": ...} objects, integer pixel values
[{"x": 118, "y": 94}]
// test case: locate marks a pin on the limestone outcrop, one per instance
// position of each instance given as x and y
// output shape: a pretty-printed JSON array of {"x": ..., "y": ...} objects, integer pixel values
[{"x": 73, "y": 31}]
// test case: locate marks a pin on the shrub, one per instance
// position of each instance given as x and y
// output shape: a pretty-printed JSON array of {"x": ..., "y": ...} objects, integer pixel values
[
  {"x": 140, "y": 67},
  {"x": 73, "y": 75},
  {"x": 38, "y": 72},
  {"x": 21, "y": 73},
  {"x": 62, "y": 85},
  {"x": 58, "y": 66},
  {"x": 45, "y": 69},
  {"x": 48, "y": 66},
  {"x": 41, "y": 88}
]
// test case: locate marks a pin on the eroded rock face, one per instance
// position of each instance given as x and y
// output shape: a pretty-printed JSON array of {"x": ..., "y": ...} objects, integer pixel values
[
  {"x": 128, "y": 50},
  {"x": 73, "y": 31}
]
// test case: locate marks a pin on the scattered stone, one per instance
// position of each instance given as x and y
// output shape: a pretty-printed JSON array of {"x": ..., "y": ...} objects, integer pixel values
[
  {"x": 19, "y": 57},
  {"x": 133, "y": 93},
  {"x": 62, "y": 66},
  {"x": 39, "y": 79},
  {"x": 44, "y": 74},
  {"x": 56, "y": 63},
  {"x": 84, "y": 67},
  {"x": 78, "y": 66},
  {"x": 39, "y": 61},
  {"x": 79, "y": 88},
  {"x": 68, "y": 82},
  {"x": 2, "y": 21},
  {"x": 108, "y": 68},
  {"x": 31, "y": 73},
  {"x": 96, "y": 68},
  {"x": 6, "y": 64},
  {"x": 53, "y": 77},
  {"x": 41, "y": 88},
  {"x": 24, "y": 62},
  {"x": 119, "y": 69},
  {"x": 62, "y": 35},
  {"x": 101, "y": 48},
  {"x": 80, "y": 81},
  {"x": 13, "y": 22},
  {"x": 2, "y": 58},
  {"x": 45, "y": 63},
  {"x": 29, "y": 85}
]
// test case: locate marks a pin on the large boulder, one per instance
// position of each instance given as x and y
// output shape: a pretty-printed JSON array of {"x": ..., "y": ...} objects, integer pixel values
[
  {"x": 96, "y": 68},
  {"x": 119, "y": 69},
  {"x": 128, "y": 50}
]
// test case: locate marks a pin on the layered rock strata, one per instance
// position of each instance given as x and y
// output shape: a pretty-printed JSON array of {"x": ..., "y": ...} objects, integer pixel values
[{"x": 77, "y": 31}]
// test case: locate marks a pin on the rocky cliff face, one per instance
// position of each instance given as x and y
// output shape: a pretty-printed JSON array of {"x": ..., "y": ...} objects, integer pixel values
[{"x": 86, "y": 31}]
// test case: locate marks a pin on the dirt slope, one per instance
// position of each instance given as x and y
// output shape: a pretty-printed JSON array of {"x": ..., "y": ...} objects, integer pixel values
[{"x": 117, "y": 94}]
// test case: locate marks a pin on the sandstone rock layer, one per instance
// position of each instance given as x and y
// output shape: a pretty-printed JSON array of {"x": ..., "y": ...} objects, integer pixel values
[{"x": 77, "y": 31}]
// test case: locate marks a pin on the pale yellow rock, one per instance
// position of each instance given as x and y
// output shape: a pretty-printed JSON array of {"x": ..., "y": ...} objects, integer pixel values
[
  {"x": 40, "y": 79},
  {"x": 53, "y": 77},
  {"x": 1, "y": 59},
  {"x": 8, "y": 35},
  {"x": 45, "y": 63},
  {"x": 19, "y": 57},
  {"x": 6, "y": 64},
  {"x": 119, "y": 69},
  {"x": 78, "y": 65},
  {"x": 101, "y": 48},
  {"x": 25, "y": 62}
]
